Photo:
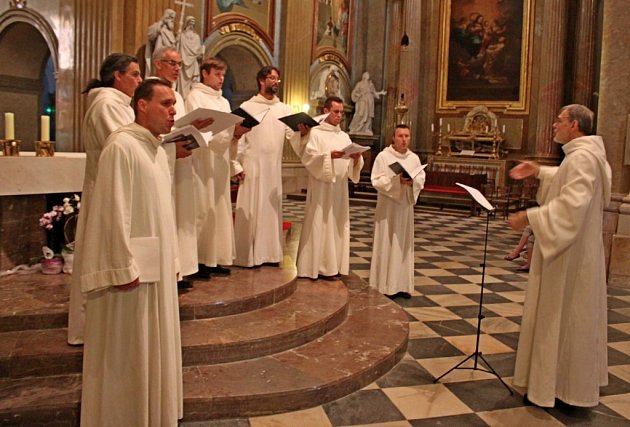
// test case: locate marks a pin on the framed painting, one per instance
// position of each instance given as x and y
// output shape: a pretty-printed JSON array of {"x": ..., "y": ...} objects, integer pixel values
[
  {"x": 485, "y": 55},
  {"x": 257, "y": 14},
  {"x": 332, "y": 30}
]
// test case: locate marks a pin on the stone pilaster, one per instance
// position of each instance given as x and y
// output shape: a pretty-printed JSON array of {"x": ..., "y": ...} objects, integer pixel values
[
  {"x": 409, "y": 77},
  {"x": 395, "y": 31},
  {"x": 613, "y": 109},
  {"x": 550, "y": 77},
  {"x": 584, "y": 58}
]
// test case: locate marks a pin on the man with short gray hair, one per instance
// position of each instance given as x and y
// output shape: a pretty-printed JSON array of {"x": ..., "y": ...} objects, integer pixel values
[{"x": 562, "y": 350}]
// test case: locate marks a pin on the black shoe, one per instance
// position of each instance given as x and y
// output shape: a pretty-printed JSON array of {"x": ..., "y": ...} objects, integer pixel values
[
  {"x": 405, "y": 295},
  {"x": 391, "y": 297},
  {"x": 184, "y": 284},
  {"x": 202, "y": 273},
  {"x": 271, "y": 264},
  {"x": 219, "y": 271}
]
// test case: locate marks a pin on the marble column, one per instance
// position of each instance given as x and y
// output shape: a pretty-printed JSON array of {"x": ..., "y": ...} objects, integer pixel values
[
  {"x": 612, "y": 119},
  {"x": 409, "y": 78},
  {"x": 295, "y": 61},
  {"x": 583, "y": 60},
  {"x": 549, "y": 97},
  {"x": 395, "y": 30}
]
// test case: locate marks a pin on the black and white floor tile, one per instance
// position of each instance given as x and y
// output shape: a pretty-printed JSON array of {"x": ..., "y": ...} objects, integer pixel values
[{"x": 443, "y": 315}]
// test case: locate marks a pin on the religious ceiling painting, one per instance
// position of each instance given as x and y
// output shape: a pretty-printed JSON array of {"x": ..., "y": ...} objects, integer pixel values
[
  {"x": 332, "y": 30},
  {"x": 253, "y": 17},
  {"x": 485, "y": 55}
]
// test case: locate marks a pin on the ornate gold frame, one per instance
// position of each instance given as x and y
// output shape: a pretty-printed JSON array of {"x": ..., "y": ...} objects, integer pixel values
[
  {"x": 507, "y": 106},
  {"x": 238, "y": 21}
]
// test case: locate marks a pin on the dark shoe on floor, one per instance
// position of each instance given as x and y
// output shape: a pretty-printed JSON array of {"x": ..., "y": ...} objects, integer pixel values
[
  {"x": 184, "y": 284},
  {"x": 271, "y": 264},
  {"x": 329, "y": 278},
  {"x": 219, "y": 271},
  {"x": 405, "y": 295},
  {"x": 524, "y": 268},
  {"x": 202, "y": 273}
]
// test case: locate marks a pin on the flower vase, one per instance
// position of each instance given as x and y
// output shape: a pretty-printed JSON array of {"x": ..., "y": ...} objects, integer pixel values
[
  {"x": 52, "y": 265},
  {"x": 68, "y": 260}
]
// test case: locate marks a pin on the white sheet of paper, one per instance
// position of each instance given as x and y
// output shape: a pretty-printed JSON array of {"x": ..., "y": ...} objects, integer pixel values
[
  {"x": 146, "y": 254},
  {"x": 222, "y": 120},
  {"x": 477, "y": 196},
  {"x": 352, "y": 149}
]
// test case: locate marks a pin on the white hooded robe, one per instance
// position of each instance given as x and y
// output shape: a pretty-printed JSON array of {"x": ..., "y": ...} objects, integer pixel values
[
  {"x": 562, "y": 349},
  {"x": 212, "y": 166},
  {"x": 108, "y": 110},
  {"x": 324, "y": 246},
  {"x": 392, "y": 267},
  {"x": 132, "y": 359}
]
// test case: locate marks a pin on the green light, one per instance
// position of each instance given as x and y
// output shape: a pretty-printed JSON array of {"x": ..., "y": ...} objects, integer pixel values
[{"x": 50, "y": 110}]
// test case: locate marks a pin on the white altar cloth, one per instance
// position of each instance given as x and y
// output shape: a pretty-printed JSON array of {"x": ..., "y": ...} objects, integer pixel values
[{"x": 28, "y": 174}]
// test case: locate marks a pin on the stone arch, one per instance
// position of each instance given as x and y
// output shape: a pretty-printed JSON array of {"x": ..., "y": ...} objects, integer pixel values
[
  {"x": 245, "y": 55},
  {"x": 29, "y": 72}
]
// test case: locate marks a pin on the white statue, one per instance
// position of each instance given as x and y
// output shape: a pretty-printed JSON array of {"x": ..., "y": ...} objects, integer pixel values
[
  {"x": 191, "y": 50},
  {"x": 363, "y": 96},
  {"x": 160, "y": 34}
]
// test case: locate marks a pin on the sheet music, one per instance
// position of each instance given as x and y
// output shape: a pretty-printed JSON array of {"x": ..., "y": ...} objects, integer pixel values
[{"x": 477, "y": 196}]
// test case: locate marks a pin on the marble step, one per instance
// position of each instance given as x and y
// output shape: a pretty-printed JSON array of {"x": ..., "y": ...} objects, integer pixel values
[
  {"x": 314, "y": 309},
  {"x": 371, "y": 340},
  {"x": 29, "y": 302}
]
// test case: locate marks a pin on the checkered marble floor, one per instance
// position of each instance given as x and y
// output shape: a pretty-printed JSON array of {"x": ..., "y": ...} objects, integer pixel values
[{"x": 443, "y": 314}]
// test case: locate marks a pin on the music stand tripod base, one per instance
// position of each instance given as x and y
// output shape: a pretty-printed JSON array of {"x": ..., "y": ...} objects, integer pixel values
[{"x": 483, "y": 202}]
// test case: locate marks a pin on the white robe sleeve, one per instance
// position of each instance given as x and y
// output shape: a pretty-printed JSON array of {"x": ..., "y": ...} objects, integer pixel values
[
  {"x": 110, "y": 224},
  {"x": 318, "y": 163},
  {"x": 556, "y": 224},
  {"x": 383, "y": 179},
  {"x": 545, "y": 177},
  {"x": 354, "y": 169}
]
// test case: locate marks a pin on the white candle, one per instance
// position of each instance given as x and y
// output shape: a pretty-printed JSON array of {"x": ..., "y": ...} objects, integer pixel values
[
  {"x": 9, "y": 126},
  {"x": 432, "y": 128},
  {"x": 503, "y": 128},
  {"x": 44, "y": 122},
  {"x": 440, "y": 121},
  {"x": 448, "y": 127}
]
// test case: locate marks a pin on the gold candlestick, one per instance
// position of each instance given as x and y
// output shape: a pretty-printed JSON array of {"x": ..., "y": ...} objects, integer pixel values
[
  {"x": 439, "y": 141},
  {"x": 10, "y": 147},
  {"x": 45, "y": 148}
]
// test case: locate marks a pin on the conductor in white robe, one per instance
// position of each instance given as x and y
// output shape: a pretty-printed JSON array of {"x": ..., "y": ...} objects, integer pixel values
[
  {"x": 213, "y": 169},
  {"x": 562, "y": 348},
  {"x": 392, "y": 266},
  {"x": 109, "y": 108},
  {"x": 132, "y": 357},
  {"x": 258, "y": 216},
  {"x": 324, "y": 248}
]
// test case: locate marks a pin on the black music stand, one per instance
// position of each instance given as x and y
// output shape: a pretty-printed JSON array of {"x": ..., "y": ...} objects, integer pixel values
[{"x": 485, "y": 205}]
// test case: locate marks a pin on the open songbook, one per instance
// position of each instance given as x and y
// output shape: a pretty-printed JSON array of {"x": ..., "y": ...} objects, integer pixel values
[
  {"x": 221, "y": 122},
  {"x": 406, "y": 172},
  {"x": 294, "y": 120},
  {"x": 250, "y": 120},
  {"x": 477, "y": 196},
  {"x": 188, "y": 133},
  {"x": 352, "y": 149}
]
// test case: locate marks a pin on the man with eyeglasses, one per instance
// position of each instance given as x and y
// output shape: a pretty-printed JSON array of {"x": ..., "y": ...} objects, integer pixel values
[
  {"x": 212, "y": 165},
  {"x": 562, "y": 349},
  {"x": 167, "y": 64},
  {"x": 324, "y": 248},
  {"x": 258, "y": 222}
]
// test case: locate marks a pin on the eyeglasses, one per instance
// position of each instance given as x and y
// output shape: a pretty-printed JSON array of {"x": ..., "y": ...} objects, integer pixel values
[
  {"x": 273, "y": 79},
  {"x": 172, "y": 63}
]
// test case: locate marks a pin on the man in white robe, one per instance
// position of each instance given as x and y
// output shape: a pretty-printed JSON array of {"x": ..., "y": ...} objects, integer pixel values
[
  {"x": 213, "y": 169},
  {"x": 132, "y": 358},
  {"x": 258, "y": 217},
  {"x": 324, "y": 248},
  {"x": 392, "y": 267},
  {"x": 562, "y": 349},
  {"x": 109, "y": 108},
  {"x": 167, "y": 63}
]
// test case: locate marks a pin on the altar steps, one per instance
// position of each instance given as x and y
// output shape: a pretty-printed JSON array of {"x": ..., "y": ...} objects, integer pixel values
[{"x": 257, "y": 342}]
